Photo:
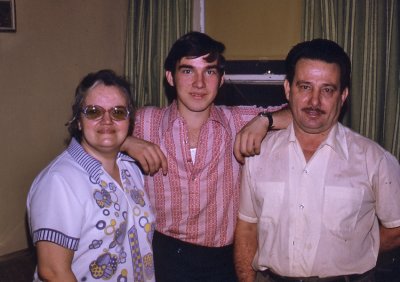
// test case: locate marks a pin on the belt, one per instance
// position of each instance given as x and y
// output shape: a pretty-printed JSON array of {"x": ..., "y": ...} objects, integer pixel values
[{"x": 342, "y": 278}]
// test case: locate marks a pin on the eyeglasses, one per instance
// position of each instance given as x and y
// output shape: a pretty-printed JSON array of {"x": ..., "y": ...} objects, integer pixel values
[{"x": 94, "y": 112}]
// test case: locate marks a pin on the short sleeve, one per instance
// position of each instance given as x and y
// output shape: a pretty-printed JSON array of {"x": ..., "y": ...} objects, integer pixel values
[
  {"x": 387, "y": 190},
  {"x": 55, "y": 212},
  {"x": 246, "y": 208}
]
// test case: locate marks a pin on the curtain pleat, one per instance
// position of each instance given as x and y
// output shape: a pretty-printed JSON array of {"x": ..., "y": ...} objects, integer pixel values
[
  {"x": 369, "y": 32},
  {"x": 153, "y": 26}
]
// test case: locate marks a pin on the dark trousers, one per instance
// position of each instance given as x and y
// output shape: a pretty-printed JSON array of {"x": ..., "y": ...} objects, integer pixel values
[{"x": 178, "y": 261}]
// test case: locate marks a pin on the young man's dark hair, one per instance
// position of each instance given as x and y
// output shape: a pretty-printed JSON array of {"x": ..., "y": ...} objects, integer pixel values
[{"x": 193, "y": 45}]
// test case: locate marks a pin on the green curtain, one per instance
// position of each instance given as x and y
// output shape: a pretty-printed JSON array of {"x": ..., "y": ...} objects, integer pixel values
[
  {"x": 369, "y": 32},
  {"x": 153, "y": 26}
]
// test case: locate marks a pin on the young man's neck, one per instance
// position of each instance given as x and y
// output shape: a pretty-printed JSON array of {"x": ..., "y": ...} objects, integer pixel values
[{"x": 194, "y": 120}]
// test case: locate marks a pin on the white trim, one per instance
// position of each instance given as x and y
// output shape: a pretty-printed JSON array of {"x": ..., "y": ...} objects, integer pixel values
[
  {"x": 199, "y": 15},
  {"x": 266, "y": 79},
  {"x": 202, "y": 16}
]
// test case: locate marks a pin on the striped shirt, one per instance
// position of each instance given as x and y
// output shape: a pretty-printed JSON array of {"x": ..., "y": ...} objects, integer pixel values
[{"x": 197, "y": 201}]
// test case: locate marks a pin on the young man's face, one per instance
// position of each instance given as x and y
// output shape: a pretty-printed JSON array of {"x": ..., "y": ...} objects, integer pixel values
[
  {"x": 314, "y": 96},
  {"x": 197, "y": 82}
]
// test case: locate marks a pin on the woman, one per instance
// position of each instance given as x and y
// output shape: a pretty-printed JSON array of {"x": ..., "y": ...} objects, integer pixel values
[{"x": 89, "y": 216}]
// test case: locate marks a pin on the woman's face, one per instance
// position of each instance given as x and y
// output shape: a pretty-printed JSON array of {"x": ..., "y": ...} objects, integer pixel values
[{"x": 103, "y": 132}]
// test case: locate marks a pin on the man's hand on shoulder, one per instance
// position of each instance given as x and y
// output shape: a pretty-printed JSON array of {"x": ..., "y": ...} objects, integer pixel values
[
  {"x": 249, "y": 138},
  {"x": 147, "y": 154}
]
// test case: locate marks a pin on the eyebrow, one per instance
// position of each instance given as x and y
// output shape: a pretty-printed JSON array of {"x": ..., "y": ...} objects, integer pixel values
[
  {"x": 184, "y": 66},
  {"x": 323, "y": 85}
]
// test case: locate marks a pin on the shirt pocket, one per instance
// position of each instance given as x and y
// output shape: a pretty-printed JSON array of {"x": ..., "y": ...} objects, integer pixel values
[
  {"x": 341, "y": 208},
  {"x": 269, "y": 198}
]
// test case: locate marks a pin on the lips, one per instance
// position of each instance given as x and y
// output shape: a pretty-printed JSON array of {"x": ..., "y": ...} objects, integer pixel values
[
  {"x": 198, "y": 95},
  {"x": 313, "y": 111},
  {"x": 106, "y": 131}
]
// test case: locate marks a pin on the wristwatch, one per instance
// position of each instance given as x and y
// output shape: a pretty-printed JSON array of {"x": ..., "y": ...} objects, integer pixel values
[{"x": 270, "y": 119}]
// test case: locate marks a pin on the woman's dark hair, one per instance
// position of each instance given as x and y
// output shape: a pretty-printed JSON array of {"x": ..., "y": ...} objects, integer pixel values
[
  {"x": 323, "y": 50},
  {"x": 108, "y": 78}
]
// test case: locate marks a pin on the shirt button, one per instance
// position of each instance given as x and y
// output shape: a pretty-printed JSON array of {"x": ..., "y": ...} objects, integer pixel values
[
  {"x": 179, "y": 251},
  {"x": 301, "y": 206}
]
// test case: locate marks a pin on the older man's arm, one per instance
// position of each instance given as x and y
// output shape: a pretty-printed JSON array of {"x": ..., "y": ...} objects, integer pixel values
[
  {"x": 245, "y": 250},
  {"x": 389, "y": 238}
]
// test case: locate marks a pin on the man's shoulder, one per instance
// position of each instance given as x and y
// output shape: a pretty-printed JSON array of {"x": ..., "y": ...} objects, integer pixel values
[
  {"x": 150, "y": 109},
  {"x": 275, "y": 141},
  {"x": 360, "y": 144},
  {"x": 151, "y": 113},
  {"x": 360, "y": 139},
  {"x": 237, "y": 113}
]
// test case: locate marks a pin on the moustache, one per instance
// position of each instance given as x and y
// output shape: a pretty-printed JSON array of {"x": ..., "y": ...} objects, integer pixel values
[{"x": 311, "y": 109}]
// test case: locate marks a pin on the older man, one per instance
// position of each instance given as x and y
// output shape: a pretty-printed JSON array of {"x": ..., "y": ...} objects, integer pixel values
[{"x": 314, "y": 203}]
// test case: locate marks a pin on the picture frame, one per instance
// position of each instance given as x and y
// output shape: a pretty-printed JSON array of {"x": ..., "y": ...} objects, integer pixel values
[{"x": 7, "y": 16}]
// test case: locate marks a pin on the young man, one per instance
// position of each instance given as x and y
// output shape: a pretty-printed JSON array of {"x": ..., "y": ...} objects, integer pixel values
[
  {"x": 320, "y": 200},
  {"x": 196, "y": 203}
]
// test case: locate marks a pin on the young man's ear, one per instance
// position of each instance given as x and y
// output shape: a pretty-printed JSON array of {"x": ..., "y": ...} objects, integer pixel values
[
  {"x": 222, "y": 80},
  {"x": 170, "y": 78}
]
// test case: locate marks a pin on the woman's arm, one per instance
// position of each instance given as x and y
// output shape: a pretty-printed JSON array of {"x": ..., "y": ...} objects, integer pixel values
[{"x": 54, "y": 262}]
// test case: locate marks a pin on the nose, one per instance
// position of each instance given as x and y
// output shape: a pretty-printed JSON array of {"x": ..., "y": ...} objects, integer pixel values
[
  {"x": 199, "y": 80},
  {"x": 315, "y": 98},
  {"x": 106, "y": 118}
]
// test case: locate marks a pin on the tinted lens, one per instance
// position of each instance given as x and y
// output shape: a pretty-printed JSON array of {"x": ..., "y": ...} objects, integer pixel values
[
  {"x": 93, "y": 112},
  {"x": 119, "y": 113},
  {"x": 96, "y": 112}
]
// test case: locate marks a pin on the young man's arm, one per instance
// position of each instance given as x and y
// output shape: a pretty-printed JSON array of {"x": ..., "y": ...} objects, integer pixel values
[
  {"x": 249, "y": 138},
  {"x": 54, "y": 262},
  {"x": 389, "y": 238},
  {"x": 149, "y": 155},
  {"x": 245, "y": 249}
]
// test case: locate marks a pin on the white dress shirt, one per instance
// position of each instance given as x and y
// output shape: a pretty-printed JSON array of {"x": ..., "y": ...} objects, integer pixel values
[{"x": 320, "y": 218}]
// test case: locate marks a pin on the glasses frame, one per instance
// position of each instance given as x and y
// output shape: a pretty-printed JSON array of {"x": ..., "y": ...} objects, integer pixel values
[{"x": 110, "y": 111}]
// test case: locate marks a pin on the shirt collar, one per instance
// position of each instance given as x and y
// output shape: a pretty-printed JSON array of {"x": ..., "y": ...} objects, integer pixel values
[
  {"x": 336, "y": 140},
  {"x": 91, "y": 165},
  {"x": 173, "y": 114}
]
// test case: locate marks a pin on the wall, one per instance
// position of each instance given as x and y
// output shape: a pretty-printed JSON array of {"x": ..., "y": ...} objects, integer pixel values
[
  {"x": 256, "y": 29},
  {"x": 56, "y": 44}
]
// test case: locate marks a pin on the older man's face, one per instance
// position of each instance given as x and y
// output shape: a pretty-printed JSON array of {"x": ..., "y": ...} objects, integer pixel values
[{"x": 314, "y": 96}]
